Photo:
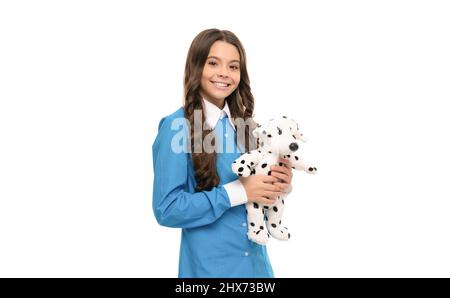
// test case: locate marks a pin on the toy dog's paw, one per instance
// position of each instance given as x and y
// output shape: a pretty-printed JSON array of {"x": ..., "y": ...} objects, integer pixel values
[
  {"x": 258, "y": 235},
  {"x": 279, "y": 232},
  {"x": 311, "y": 170},
  {"x": 241, "y": 169}
]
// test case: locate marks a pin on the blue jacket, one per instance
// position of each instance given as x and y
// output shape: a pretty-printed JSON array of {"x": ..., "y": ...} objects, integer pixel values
[{"x": 214, "y": 239}]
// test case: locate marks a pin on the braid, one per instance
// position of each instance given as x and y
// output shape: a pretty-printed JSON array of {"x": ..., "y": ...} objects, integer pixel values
[{"x": 204, "y": 163}]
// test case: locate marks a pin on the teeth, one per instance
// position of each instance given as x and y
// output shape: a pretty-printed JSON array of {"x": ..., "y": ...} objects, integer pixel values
[{"x": 220, "y": 84}]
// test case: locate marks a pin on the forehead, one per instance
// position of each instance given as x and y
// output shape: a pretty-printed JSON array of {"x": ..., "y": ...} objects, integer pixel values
[{"x": 224, "y": 51}]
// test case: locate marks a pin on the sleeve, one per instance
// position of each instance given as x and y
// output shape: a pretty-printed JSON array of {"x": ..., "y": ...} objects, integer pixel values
[
  {"x": 173, "y": 206},
  {"x": 236, "y": 192}
]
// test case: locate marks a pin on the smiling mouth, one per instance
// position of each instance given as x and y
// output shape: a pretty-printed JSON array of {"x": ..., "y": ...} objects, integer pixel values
[{"x": 220, "y": 85}]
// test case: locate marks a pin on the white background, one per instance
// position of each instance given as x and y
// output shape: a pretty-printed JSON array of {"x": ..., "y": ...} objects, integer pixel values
[{"x": 83, "y": 85}]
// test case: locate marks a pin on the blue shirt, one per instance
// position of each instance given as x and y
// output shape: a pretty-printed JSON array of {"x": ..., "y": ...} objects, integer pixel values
[{"x": 214, "y": 239}]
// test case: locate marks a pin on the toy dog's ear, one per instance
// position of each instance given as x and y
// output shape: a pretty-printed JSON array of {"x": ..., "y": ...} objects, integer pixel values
[
  {"x": 300, "y": 136},
  {"x": 257, "y": 132}
]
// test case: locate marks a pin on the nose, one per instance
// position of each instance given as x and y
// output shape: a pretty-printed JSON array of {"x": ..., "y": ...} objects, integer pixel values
[
  {"x": 293, "y": 146},
  {"x": 223, "y": 72}
]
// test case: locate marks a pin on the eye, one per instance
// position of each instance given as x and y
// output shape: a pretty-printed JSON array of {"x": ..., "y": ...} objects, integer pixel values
[
  {"x": 235, "y": 67},
  {"x": 212, "y": 63}
]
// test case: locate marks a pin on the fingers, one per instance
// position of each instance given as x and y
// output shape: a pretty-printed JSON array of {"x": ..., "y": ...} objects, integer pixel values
[
  {"x": 283, "y": 186},
  {"x": 285, "y": 161},
  {"x": 281, "y": 176},
  {"x": 271, "y": 187},
  {"x": 273, "y": 194},
  {"x": 268, "y": 200},
  {"x": 281, "y": 169},
  {"x": 268, "y": 178}
]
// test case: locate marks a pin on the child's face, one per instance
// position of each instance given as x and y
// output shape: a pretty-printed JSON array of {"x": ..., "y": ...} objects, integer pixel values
[{"x": 222, "y": 65}]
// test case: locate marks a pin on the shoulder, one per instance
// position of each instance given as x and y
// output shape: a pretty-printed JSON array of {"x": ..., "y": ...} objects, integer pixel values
[
  {"x": 173, "y": 122},
  {"x": 166, "y": 121},
  {"x": 172, "y": 128},
  {"x": 171, "y": 139}
]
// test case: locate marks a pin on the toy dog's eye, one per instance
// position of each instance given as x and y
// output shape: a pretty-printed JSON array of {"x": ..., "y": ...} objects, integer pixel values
[{"x": 269, "y": 136}]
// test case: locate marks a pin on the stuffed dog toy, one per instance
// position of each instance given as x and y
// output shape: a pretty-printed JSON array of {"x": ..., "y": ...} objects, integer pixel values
[{"x": 279, "y": 137}]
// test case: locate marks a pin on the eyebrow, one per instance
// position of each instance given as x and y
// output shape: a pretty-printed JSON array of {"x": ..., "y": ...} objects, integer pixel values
[{"x": 221, "y": 59}]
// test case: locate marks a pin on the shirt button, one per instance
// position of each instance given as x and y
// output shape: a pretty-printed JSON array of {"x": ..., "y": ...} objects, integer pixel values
[
  {"x": 226, "y": 135},
  {"x": 246, "y": 253},
  {"x": 244, "y": 224}
]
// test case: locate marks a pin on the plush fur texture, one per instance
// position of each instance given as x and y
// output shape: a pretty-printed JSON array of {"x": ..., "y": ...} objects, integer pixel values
[{"x": 279, "y": 137}]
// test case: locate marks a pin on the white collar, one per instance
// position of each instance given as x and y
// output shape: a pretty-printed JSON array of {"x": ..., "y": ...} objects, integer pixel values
[{"x": 213, "y": 114}]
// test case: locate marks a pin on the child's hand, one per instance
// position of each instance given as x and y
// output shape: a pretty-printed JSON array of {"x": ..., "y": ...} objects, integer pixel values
[
  {"x": 283, "y": 174},
  {"x": 260, "y": 189}
]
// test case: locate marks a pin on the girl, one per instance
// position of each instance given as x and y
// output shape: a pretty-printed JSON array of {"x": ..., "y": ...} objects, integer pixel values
[{"x": 194, "y": 188}]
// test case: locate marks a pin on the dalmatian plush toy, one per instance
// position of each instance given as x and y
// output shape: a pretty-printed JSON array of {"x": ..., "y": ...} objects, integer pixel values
[{"x": 278, "y": 137}]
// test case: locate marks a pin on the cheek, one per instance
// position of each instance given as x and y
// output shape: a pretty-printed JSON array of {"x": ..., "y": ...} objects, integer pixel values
[
  {"x": 207, "y": 73},
  {"x": 203, "y": 84},
  {"x": 205, "y": 78},
  {"x": 237, "y": 78}
]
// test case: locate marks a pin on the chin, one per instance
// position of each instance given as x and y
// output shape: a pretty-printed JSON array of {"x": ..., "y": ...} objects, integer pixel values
[{"x": 219, "y": 94}]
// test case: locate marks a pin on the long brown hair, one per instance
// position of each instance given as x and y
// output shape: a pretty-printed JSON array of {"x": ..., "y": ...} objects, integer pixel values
[{"x": 240, "y": 102}]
